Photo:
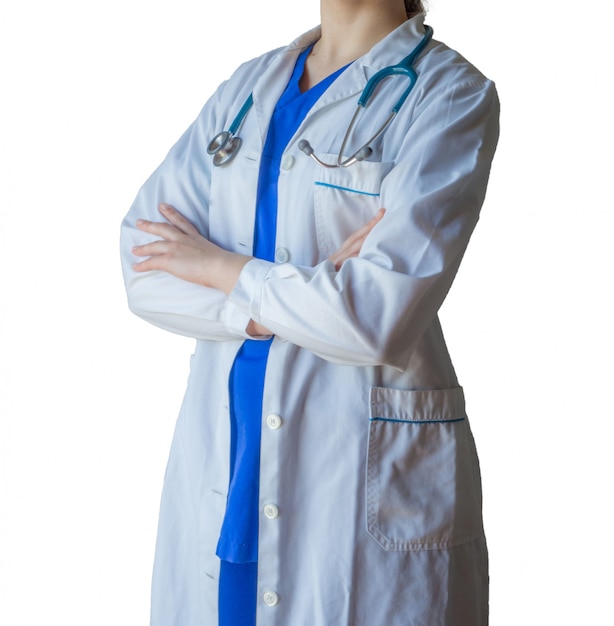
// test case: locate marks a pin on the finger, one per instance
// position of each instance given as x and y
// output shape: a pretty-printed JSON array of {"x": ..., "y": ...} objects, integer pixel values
[
  {"x": 363, "y": 231},
  {"x": 178, "y": 220},
  {"x": 161, "y": 255},
  {"x": 351, "y": 247},
  {"x": 161, "y": 229},
  {"x": 375, "y": 219},
  {"x": 155, "y": 248},
  {"x": 152, "y": 263}
]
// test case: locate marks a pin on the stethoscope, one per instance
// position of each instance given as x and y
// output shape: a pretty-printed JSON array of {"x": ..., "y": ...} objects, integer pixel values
[{"x": 225, "y": 145}]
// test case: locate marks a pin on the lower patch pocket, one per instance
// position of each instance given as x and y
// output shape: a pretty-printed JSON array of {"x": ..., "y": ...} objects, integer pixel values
[{"x": 423, "y": 483}]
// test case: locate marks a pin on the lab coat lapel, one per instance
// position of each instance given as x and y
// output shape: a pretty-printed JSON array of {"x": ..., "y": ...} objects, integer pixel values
[
  {"x": 273, "y": 81},
  {"x": 350, "y": 84},
  {"x": 389, "y": 51}
]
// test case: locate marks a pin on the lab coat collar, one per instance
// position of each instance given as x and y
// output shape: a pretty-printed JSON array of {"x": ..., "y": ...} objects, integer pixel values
[
  {"x": 395, "y": 46},
  {"x": 390, "y": 50}
]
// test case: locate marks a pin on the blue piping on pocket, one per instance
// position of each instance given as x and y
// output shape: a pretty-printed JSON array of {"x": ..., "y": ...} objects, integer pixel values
[{"x": 364, "y": 193}]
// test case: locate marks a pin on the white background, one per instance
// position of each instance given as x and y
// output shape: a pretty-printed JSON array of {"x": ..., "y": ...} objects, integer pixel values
[{"x": 91, "y": 98}]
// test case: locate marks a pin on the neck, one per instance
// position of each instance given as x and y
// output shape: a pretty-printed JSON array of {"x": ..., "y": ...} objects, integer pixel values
[{"x": 350, "y": 28}]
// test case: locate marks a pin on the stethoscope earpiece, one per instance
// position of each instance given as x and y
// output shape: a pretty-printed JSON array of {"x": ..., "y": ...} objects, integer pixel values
[
  {"x": 305, "y": 146},
  {"x": 363, "y": 153}
]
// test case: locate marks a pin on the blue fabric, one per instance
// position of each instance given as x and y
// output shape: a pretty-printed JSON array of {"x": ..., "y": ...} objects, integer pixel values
[
  {"x": 237, "y": 594},
  {"x": 238, "y": 543}
]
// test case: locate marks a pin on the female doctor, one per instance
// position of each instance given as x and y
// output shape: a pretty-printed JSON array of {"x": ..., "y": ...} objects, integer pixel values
[{"x": 322, "y": 471}]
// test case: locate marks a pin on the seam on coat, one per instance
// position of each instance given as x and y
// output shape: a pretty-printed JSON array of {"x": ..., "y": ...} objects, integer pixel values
[
  {"x": 391, "y": 545},
  {"x": 423, "y": 421}
]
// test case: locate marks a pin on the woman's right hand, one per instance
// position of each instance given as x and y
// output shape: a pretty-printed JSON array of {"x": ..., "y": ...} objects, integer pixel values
[{"x": 349, "y": 248}]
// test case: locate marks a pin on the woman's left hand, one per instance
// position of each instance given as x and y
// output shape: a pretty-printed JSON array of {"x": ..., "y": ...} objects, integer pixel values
[
  {"x": 352, "y": 246},
  {"x": 183, "y": 252}
]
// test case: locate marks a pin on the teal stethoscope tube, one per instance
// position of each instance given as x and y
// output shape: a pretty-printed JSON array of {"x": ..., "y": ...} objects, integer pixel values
[{"x": 224, "y": 146}]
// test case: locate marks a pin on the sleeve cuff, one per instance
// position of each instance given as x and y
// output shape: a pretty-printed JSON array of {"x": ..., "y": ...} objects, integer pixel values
[
  {"x": 247, "y": 292},
  {"x": 235, "y": 320}
]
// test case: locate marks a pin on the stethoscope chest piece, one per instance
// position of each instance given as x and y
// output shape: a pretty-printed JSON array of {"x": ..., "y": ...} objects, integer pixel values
[{"x": 224, "y": 146}]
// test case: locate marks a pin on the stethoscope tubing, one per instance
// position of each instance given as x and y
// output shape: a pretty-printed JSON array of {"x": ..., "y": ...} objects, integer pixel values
[{"x": 224, "y": 146}]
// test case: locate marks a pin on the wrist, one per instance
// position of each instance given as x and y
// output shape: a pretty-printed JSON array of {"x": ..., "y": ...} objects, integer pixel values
[{"x": 227, "y": 269}]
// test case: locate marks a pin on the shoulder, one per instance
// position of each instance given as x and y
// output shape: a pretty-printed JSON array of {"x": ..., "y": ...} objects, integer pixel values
[
  {"x": 227, "y": 98},
  {"x": 250, "y": 72},
  {"x": 253, "y": 67},
  {"x": 449, "y": 87},
  {"x": 444, "y": 70}
]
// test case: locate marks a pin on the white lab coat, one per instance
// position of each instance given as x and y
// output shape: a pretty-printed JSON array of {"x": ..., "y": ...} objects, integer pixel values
[{"x": 366, "y": 451}]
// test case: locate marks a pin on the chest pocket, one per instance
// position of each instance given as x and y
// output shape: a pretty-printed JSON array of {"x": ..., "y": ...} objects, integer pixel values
[{"x": 345, "y": 198}]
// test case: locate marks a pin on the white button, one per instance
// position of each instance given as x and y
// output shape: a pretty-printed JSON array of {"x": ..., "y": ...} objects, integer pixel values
[
  {"x": 288, "y": 163},
  {"x": 270, "y": 598},
  {"x": 271, "y": 511},
  {"x": 273, "y": 421},
  {"x": 282, "y": 255}
]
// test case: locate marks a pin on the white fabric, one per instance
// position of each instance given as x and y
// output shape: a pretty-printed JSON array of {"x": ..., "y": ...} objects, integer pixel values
[{"x": 373, "y": 469}]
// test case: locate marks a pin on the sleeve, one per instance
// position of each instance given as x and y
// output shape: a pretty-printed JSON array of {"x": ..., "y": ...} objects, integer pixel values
[
  {"x": 183, "y": 180},
  {"x": 375, "y": 308}
]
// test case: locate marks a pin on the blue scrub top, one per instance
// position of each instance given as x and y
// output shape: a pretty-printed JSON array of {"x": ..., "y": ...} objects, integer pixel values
[{"x": 238, "y": 541}]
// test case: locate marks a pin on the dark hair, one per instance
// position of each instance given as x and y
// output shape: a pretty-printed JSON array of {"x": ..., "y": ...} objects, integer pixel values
[{"x": 414, "y": 6}]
